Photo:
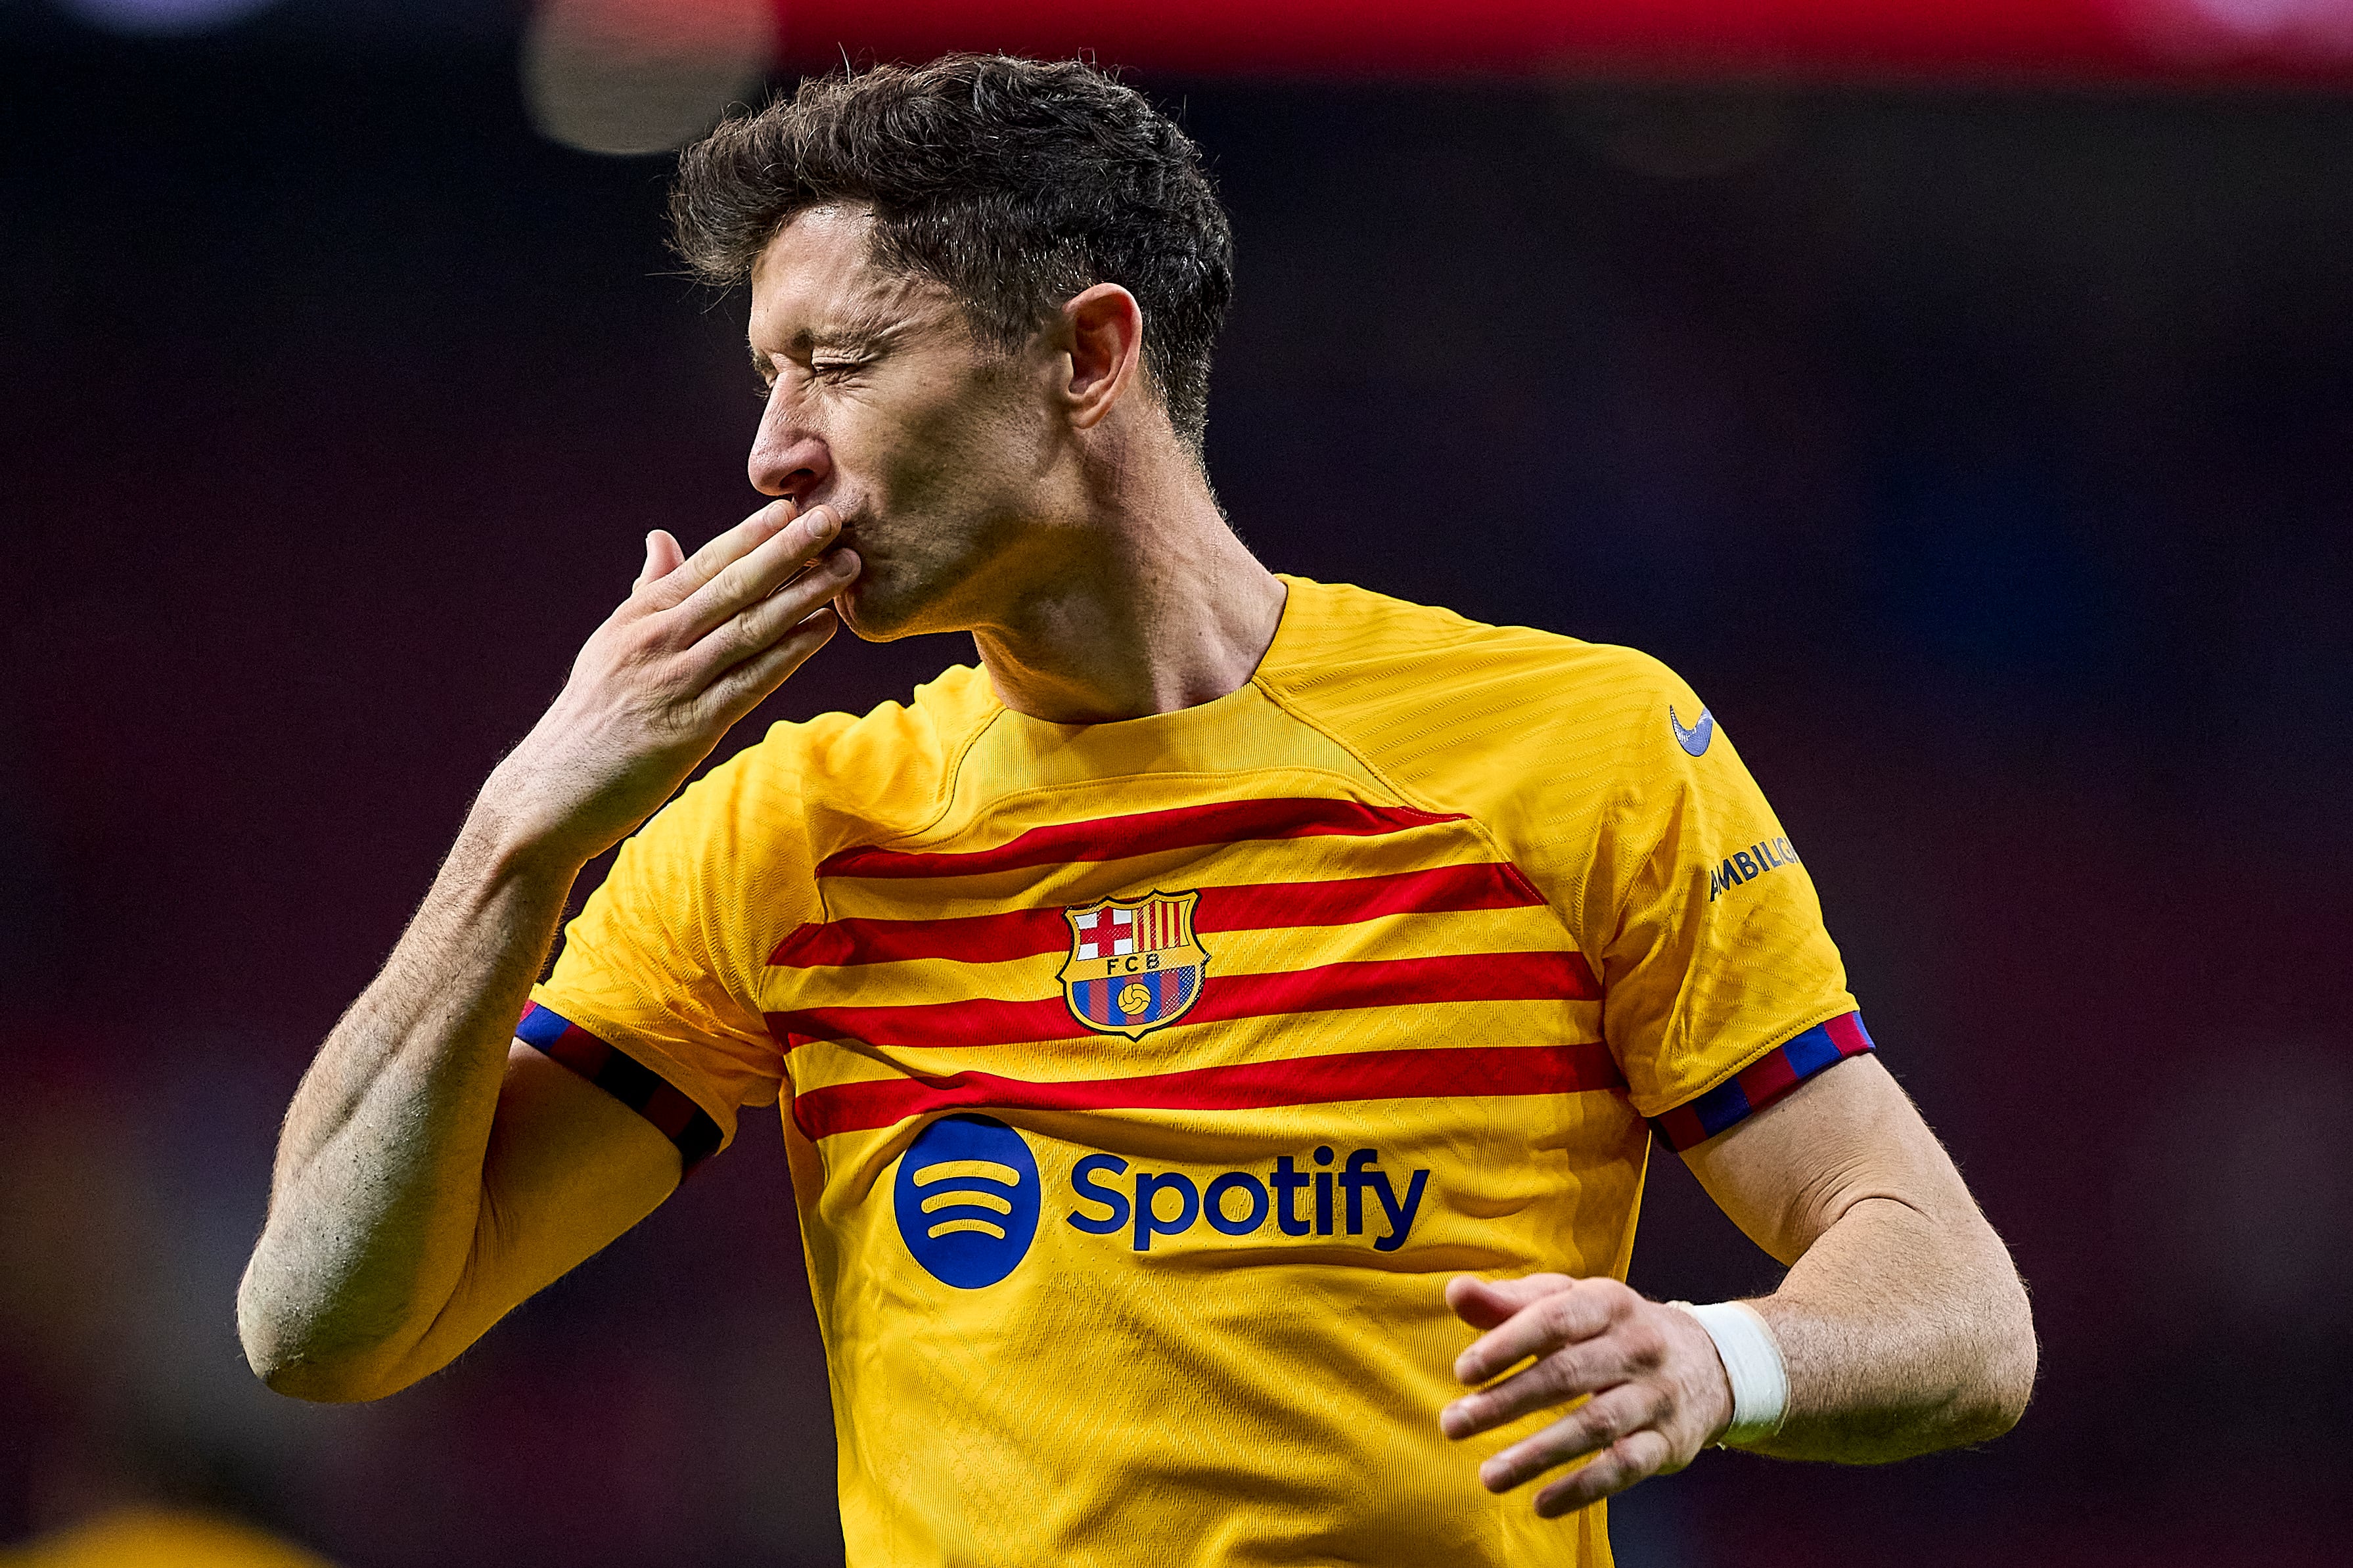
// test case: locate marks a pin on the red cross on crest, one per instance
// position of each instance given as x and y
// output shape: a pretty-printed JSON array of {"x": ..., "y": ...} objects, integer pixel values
[
  {"x": 1134, "y": 965},
  {"x": 1107, "y": 932}
]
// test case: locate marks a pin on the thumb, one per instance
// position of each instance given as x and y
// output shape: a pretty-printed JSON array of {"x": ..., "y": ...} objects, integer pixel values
[{"x": 663, "y": 557}]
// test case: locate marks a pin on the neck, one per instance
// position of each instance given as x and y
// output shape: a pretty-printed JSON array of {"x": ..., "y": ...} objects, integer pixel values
[{"x": 1158, "y": 608}]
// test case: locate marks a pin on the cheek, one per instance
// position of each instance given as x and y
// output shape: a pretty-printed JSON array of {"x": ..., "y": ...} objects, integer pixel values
[
  {"x": 936, "y": 449},
  {"x": 943, "y": 460}
]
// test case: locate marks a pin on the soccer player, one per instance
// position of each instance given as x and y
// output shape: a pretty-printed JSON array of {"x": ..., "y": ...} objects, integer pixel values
[{"x": 1220, "y": 1034}]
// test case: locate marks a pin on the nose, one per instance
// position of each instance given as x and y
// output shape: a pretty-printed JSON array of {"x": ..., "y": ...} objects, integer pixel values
[{"x": 788, "y": 458}]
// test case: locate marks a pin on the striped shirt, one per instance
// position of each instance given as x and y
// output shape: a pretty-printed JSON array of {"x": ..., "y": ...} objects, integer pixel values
[{"x": 1144, "y": 1081}]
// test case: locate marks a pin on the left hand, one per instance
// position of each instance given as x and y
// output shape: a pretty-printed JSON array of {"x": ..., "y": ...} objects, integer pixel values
[{"x": 1658, "y": 1393}]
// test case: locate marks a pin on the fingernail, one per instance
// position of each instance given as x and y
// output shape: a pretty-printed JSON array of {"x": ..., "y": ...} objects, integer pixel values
[
  {"x": 843, "y": 564},
  {"x": 821, "y": 523}
]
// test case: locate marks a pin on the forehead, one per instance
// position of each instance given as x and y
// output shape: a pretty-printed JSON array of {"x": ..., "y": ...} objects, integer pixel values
[{"x": 816, "y": 280}]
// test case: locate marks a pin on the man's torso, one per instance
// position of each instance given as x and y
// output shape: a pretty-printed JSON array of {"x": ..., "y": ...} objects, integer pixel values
[{"x": 1144, "y": 1081}]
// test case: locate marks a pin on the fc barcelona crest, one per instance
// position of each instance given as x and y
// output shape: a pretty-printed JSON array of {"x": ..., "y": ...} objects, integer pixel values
[{"x": 1135, "y": 966}]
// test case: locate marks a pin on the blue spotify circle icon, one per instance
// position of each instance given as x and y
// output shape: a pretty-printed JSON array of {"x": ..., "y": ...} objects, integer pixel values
[{"x": 968, "y": 1198}]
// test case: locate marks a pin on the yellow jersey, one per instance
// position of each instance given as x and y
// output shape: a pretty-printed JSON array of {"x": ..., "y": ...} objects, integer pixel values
[{"x": 1146, "y": 1081}]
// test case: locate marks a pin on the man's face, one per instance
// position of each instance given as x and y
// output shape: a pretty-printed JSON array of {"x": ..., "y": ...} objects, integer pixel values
[{"x": 930, "y": 447}]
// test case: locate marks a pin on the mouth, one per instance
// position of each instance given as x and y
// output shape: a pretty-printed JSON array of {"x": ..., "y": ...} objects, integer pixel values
[
  {"x": 853, "y": 536},
  {"x": 845, "y": 512}
]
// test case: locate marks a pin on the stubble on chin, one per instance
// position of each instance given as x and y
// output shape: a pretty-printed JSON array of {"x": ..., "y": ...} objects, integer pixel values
[
  {"x": 884, "y": 606},
  {"x": 932, "y": 584}
]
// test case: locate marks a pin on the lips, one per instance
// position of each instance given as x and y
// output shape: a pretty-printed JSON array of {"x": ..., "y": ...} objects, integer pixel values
[{"x": 852, "y": 538}]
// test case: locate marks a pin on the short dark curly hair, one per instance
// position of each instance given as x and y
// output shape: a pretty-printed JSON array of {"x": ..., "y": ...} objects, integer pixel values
[{"x": 1015, "y": 183}]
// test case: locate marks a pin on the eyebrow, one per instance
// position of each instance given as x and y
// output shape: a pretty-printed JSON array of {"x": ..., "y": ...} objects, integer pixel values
[{"x": 865, "y": 330}]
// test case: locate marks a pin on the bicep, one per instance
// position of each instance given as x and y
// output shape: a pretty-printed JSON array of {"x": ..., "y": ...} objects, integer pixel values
[
  {"x": 1845, "y": 1136},
  {"x": 568, "y": 1169}
]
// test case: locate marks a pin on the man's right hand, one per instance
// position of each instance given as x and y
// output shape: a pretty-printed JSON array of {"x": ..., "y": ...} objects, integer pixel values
[
  {"x": 698, "y": 644},
  {"x": 430, "y": 1175}
]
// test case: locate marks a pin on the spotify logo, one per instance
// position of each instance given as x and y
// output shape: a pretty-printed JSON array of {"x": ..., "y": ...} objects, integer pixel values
[{"x": 967, "y": 1199}]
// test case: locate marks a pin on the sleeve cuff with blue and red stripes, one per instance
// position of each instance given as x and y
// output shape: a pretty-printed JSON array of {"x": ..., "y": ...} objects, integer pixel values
[
  {"x": 625, "y": 1079},
  {"x": 1763, "y": 1081}
]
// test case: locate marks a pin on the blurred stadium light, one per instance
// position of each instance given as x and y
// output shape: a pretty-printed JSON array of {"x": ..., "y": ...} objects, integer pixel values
[
  {"x": 2318, "y": 29},
  {"x": 645, "y": 75},
  {"x": 642, "y": 76},
  {"x": 659, "y": 47},
  {"x": 2233, "y": 39},
  {"x": 164, "y": 17},
  {"x": 2138, "y": 38}
]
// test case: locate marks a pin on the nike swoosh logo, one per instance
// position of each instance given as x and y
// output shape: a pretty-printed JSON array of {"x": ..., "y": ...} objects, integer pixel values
[{"x": 1695, "y": 739}]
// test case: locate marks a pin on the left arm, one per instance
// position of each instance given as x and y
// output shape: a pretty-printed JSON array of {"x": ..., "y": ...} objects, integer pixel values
[{"x": 1902, "y": 1322}]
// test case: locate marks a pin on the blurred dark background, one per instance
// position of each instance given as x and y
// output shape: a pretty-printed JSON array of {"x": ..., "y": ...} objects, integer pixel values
[{"x": 1978, "y": 452}]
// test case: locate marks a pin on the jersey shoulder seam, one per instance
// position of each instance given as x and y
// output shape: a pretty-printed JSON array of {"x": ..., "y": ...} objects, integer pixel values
[
  {"x": 949, "y": 776},
  {"x": 1777, "y": 1037},
  {"x": 1299, "y": 714},
  {"x": 1610, "y": 809}
]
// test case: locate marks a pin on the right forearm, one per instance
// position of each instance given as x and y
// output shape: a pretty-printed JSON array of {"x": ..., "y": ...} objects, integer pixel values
[
  {"x": 377, "y": 1187},
  {"x": 379, "y": 1194}
]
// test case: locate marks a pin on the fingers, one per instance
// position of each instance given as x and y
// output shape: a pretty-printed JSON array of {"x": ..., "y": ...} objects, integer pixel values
[
  {"x": 1483, "y": 1303},
  {"x": 681, "y": 583},
  {"x": 715, "y": 632},
  {"x": 757, "y": 572},
  {"x": 1641, "y": 1404},
  {"x": 1561, "y": 1314},
  {"x": 662, "y": 558},
  {"x": 749, "y": 633},
  {"x": 748, "y": 684},
  {"x": 1584, "y": 1367},
  {"x": 1634, "y": 1458},
  {"x": 1597, "y": 1424}
]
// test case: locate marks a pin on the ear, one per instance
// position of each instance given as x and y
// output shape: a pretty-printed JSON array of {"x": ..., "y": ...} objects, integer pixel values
[{"x": 1102, "y": 330}]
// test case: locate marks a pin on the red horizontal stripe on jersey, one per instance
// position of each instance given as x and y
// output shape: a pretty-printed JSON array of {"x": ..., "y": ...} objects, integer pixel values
[
  {"x": 1422, "y": 1074},
  {"x": 1331, "y": 988},
  {"x": 984, "y": 1021},
  {"x": 1442, "y": 889},
  {"x": 1257, "y": 906},
  {"x": 1144, "y": 833},
  {"x": 1401, "y": 981},
  {"x": 967, "y": 939}
]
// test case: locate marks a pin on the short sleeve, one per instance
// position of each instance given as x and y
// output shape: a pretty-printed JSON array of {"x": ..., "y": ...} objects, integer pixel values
[
  {"x": 1713, "y": 950},
  {"x": 660, "y": 966}
]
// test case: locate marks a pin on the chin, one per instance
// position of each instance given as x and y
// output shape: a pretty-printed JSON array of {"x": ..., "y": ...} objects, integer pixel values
[{"x": 883, "y": 607}]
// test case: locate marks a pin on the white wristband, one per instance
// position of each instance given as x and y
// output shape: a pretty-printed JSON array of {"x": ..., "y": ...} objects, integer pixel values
[{"x": 1752, "y": 1359}]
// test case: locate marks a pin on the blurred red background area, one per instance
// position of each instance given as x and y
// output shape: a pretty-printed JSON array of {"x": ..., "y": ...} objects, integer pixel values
[{"x": 2212, "y": 39}]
